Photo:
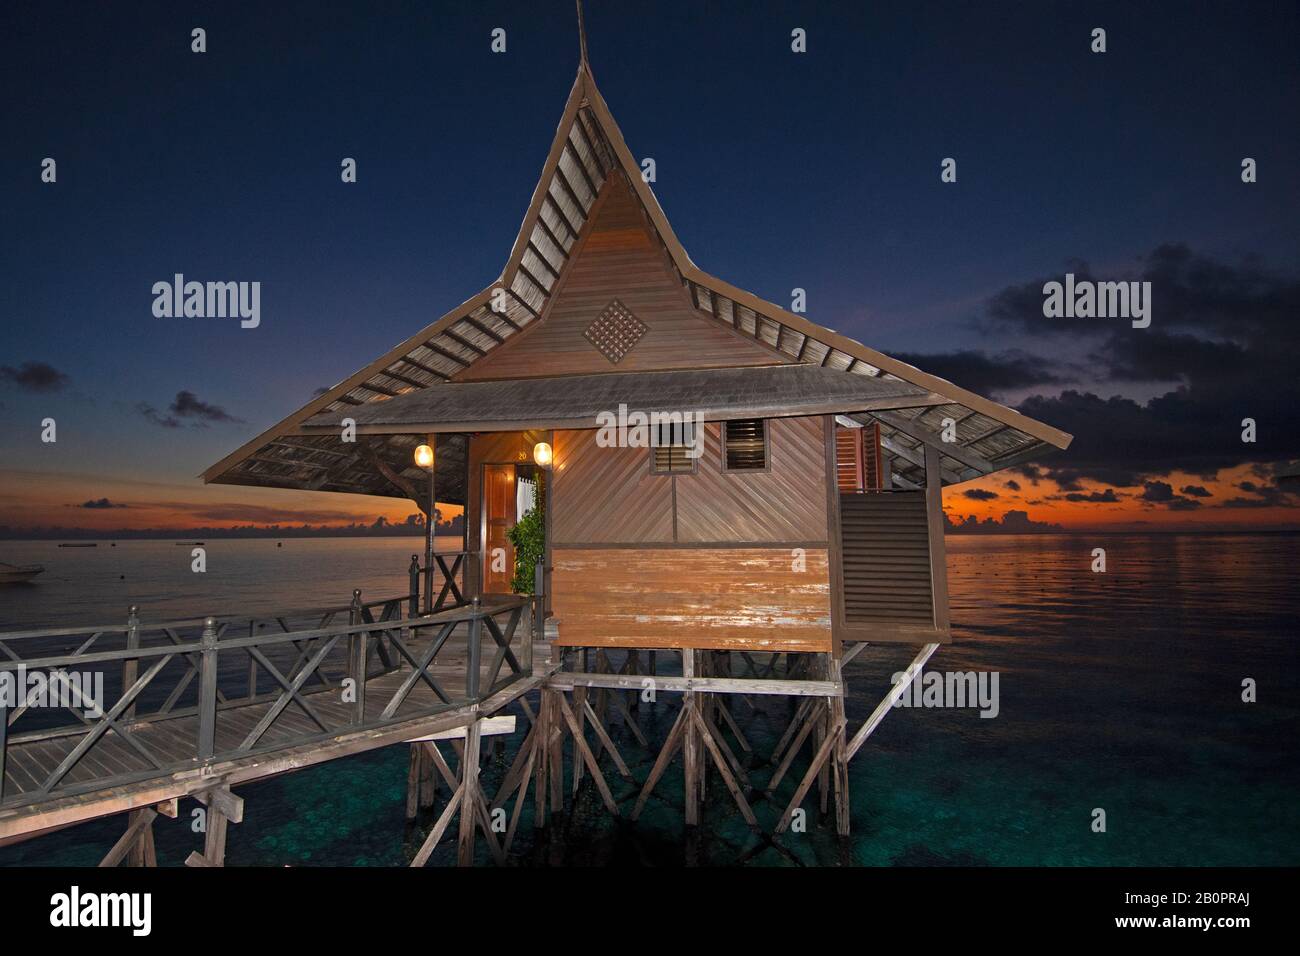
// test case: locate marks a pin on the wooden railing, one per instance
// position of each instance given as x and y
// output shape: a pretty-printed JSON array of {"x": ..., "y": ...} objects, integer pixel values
[
  {"x": 196, "y": 673},
  {"x": 451, "y": 594}
]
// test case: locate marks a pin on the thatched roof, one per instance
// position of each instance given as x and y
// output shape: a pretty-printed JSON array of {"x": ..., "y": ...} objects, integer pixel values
[
  {"x": 588, "y": 149},
  {"x": 576, "y": 401}
]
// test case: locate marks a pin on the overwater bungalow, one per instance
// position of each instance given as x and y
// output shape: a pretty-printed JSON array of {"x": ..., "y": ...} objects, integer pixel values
[{"x": 779, "y": 511}]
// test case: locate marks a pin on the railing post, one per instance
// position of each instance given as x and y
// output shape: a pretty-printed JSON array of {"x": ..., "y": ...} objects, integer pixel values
[
  {"x": 357, "y": 642},
  {"x": 475, "y": 649},
  {"x": 414, "y": 572},
  {"x": 208, "y": 690},
  {"x": 4, "y": 744},
  {"x": 131, "y": 666},
  {"x": 538, "y": 630}
]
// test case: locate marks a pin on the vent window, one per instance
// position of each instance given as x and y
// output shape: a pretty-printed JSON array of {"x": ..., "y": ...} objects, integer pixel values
[
  {"x": 745, "y": 445},
  {"x": 669, "y": 456}
]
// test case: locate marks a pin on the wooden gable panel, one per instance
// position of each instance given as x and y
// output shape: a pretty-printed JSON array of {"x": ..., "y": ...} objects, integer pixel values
[{"x": 619, "y": 258}]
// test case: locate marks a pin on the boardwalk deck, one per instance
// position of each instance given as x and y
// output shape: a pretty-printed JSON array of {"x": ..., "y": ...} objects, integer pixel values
[{"x": 115, "y": 775}]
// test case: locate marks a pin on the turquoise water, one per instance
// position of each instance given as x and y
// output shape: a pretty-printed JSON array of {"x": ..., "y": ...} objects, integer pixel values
[{"x": 1119, "y": 691}]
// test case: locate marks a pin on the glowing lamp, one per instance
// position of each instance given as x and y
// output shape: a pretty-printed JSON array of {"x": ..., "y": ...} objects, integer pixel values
[
  {"x": 424, "y": 456},
  {"x": 542, "y": 454}
]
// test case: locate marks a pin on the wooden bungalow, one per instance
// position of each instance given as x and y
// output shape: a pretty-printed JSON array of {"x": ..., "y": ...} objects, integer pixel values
[{"x": 810, "y": 521}]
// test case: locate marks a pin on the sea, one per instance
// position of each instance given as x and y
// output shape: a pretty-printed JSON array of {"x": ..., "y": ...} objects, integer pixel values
[{"x": 1147, "y": 715}]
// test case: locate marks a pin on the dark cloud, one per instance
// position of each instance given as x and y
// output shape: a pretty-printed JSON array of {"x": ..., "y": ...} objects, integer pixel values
[
  {"x": 187, "y": 405},
  {"x": 99, "y": 503},
  {"x": 152, "y": 414},
  {"x": 1093, "y": 497},
  {"x": 187, "y": 409},
  {"x": 1196, "y": 491},
  {"x": 988, "y": 374},
  {"x": 1162, "y": 493},
  {"x": 979, "y": 494},
  {"x": 1011, "y": 522},
  {"x": 34, "y": 377},
  {"x": 1157, "y": 491},
  {"x": 1011, "y": 484}
]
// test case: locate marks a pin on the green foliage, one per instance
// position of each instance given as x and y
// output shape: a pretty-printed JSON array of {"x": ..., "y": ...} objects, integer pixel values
[{"x": 529, "y": 539}]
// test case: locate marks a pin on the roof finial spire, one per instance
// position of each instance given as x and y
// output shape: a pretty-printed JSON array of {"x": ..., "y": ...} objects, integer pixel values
[{"x": 582, "y": 39}]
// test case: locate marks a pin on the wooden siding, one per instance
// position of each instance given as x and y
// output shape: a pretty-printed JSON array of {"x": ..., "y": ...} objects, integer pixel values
[
  {"x": 886, "y": 557},
  {"x": 785, "y": 502},
  {"x": 607, "y": 495},
  {"x": 711, "y": 598},
  {"x": 619, "y": 258}
]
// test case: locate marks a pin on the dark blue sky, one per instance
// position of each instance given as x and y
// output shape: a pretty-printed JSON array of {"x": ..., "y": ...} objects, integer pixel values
[{"x": 777, "y": 170}]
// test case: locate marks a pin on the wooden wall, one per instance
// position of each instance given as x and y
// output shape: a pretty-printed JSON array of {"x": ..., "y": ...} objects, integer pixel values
[
  {"x": 714, "y": 598},
  {"x": 618, "y": 257},
  {"x": 710, "y": 559}
]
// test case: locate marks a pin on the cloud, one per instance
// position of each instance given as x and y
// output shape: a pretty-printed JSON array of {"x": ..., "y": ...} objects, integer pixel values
[
  {"x": 984, "y": 373},
  {"x": 1157, "y": 491},
  {"x": 1011, "y": 484},
  {"x": 979, "y": 494},
  {"x": 185, "y": 409},
  {"x": 99, "y": 503},
  {"x": 34, "y": 377},
  {"x": 1196, "y": 491},
  {"x": 1161, "y": 492},
  {"x": 1094, "y": 497},
  {"x": 1011, "y": 522},
  {"x": 187, "y": 405}
]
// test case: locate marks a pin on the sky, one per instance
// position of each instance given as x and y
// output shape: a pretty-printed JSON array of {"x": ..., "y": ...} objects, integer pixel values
[{"x": 817, "y": 170}]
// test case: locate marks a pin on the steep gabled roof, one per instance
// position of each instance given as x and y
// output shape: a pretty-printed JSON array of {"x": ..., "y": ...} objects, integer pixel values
[{"x": 588, "y": 149}]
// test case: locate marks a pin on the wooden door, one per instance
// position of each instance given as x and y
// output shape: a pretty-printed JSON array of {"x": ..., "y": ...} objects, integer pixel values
[{"x": 498, "y": 518}]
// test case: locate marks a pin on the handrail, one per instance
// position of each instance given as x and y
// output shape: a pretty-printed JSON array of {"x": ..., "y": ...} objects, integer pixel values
[
  {"x": 200, "y": 658},
  {"x": 190, "y": 621}
]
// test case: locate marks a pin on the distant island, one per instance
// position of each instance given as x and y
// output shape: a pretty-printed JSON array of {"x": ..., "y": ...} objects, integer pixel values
[{"x": 379, "y": 528}]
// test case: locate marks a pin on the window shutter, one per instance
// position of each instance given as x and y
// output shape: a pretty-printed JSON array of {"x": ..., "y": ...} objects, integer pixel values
[
  {"x": 746, "y": 444},
  {"x": 873, "y": 479},
  {"x": 848, "y": 459}
]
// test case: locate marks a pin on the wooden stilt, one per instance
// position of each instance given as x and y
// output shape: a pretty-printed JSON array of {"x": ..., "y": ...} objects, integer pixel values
[
  {"x": 222, "y": 808},
  {"x": 690, "y": 750},
  {"x": 469, "y": 792},
  {"x": 675, "y": 734},
  {"x": 606, "y": 741},
  {"x": 805, "y": 729},
  {"x": 819, "y": 760},
  {"x": 581, "y": 748},
  {"x": 439, "y": 828},
  {"x": 413, "y": 783},
  {"x": 137, "y": 841},
  {"x": 724, "y": 770},
  {"x": 884, "y": 707}
]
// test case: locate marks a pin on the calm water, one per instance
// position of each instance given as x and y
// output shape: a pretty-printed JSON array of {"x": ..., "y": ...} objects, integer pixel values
[{"x": 1119, "y": 690}]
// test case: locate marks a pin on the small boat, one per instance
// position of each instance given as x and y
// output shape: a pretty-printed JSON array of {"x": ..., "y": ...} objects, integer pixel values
[
  {"x": 79, "y": 544},
  {"x": 18, "y": 574}
]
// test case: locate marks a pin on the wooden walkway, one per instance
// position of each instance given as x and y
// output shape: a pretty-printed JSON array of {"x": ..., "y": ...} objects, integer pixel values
[{"x": 121, "y": 771}]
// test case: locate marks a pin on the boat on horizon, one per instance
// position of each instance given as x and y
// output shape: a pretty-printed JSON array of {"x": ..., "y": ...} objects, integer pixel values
[
  {"x": 79, "y": 544},
  {"x": 19, "y": 574}
]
